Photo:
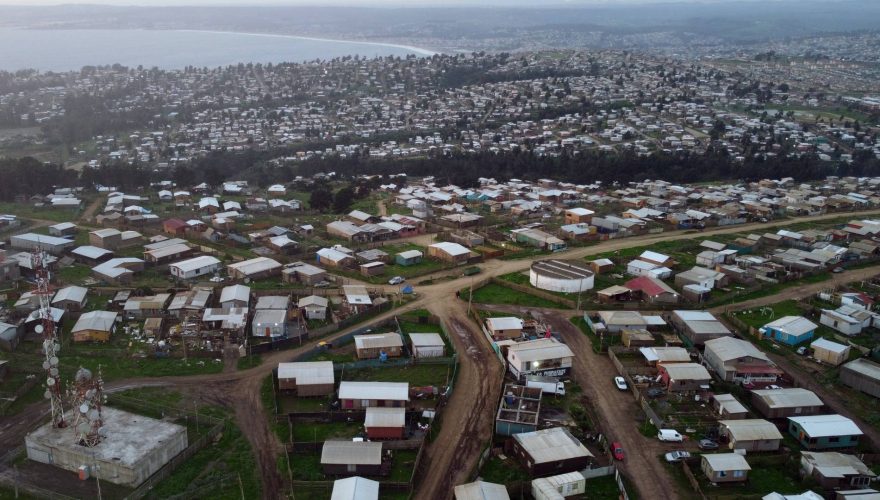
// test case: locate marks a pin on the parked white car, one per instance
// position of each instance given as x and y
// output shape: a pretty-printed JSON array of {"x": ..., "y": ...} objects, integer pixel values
[
  {"x": 396, "y": 280},
  {"x": 620, "y": 383}
]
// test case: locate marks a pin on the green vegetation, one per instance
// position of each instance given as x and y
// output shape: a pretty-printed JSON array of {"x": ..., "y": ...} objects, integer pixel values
[
  {"x": 648, "y": 429},
  {"x": 605, "y": 488},
  {"x": 500, "y": 471},
  {"x": 761, "y": 316},
  {"x": 417, "y": 375},
  {"x": 318, "y": 432},
  {"x": 249, "y": 362},
  {"x": 498, "y": 294}
]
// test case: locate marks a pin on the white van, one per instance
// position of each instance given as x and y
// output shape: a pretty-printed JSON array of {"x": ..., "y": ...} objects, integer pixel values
[{"x": 669, "y": 435}]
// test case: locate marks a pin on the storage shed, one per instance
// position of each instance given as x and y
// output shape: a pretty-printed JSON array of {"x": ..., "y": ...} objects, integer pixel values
[
  {"x": 427, "y": 345},
  {"x": 314, "y": 307},
  {"x": 830, "y": 352},
  {"x": 307, "y": 378},
  {"x": 385, "y": 423},
  {"x": 559, "y": 486},
  {"x": 95, "y": 326},
  {"x": 680, "y": 377}
]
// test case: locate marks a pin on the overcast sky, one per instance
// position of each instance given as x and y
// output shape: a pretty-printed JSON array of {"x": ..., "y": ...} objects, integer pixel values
[{"x": 363, "y": 3}]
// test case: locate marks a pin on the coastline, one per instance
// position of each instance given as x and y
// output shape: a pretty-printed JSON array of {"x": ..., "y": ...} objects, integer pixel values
[{"x": 418, "y": 50}]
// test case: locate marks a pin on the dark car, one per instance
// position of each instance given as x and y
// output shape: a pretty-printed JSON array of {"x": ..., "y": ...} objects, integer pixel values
[
  {"x": 708, "y": 444},
  {"x": 655, "y": 392}
]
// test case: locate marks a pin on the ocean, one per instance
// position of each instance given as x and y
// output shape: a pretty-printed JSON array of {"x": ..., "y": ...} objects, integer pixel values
[{"x": 68, "y": 50}]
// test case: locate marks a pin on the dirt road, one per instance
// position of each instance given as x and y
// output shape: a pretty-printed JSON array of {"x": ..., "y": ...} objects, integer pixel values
[
  {"x": 619, "y": 415},
  {"x": 467, "y": 421}
]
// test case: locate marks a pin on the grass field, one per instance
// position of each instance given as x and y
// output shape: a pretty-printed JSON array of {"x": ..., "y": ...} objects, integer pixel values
[
  {"x": 498, "y": 294},
  {"x": 416, "y": 375}
]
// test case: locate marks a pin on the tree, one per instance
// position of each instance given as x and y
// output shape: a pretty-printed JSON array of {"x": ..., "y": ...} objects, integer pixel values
[
  {"x": 321, "y": 198},
  {"x": 343, "y": 199}
]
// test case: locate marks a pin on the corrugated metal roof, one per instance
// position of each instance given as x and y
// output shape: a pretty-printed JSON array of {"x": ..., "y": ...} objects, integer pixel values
[
  {"x": 481, "y": 490},
  {"x": 378, "y": 340},
  {"x": 426, "y": 339},
  {"x": 788, "y": 398},
  {"x": 865, "y": 367},
  {"x": 394, "y": 391},
  {"x": 551, "y": 445},
  {"x": 755, "y": 429},
  {"x": 537, "y": 350},
  {"x": 726, "y": 461},
  {"x": 793, "y": 325},
  {"x": 385, "y": 417},
  {"x": 687, "y": 371},
  {"x": 827, "y": 425},
  {"x": 727, "y": 348},
  {"x": 95, "y": 320},
  {"x": 355, "y": 488},
  {"x": 828, "y": 345},
  {"x": 351, "y": 452},
  {"x": 506, "y": 323},
  {"x": 307, "y": 372}
]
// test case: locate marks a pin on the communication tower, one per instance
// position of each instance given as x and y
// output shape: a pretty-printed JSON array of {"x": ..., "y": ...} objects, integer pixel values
[{"x": 50, "y": 341}]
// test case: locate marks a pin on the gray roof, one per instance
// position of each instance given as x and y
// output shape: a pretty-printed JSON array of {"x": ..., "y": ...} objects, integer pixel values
[
  {"x": 395, "y": 391},
  {"x": 351, "y": 452},
  {"x": 865, "y": 367},
  {"x": 788, "y": 398},
  {"x": 726, "y": 461},
  {"x": 551, "y": 445},
  {"x": 754, "y": 429},
  {"x": 425, "y": 339},
  {"x": 385, "y": 417},
  {"x": 355, "y": 488},
  {"x": 307, "y": 372},
  {"x": 273, "y": 302},
  {"x": 95, "y": 320},
  {"x": 481, "y": 490},
  {"x": 72, "y": 293}
]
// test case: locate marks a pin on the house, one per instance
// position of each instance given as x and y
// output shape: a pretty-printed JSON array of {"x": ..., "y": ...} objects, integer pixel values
[
  {"x": 235, "y": 296},
  {"x": 175, "y": 227},
  {"x": 372, "y": 269},
  {"x": 790, "y": 330},
  {"x": 385, "y": 423},
  {"x": 258, "y": 268},
  {"x": 230, "y": 320},
  {"x": 269, "y": 323},
  {"x": 427, "y": 345},
  {"x": 309, "y": 378},
  {"x": 602, "y": 266},
  {"x": 698, "y": 327},
  {"x": 750, "y": 434},
  {"x": 63, "y": 229},
  {"x": 314, "y": 307},
  {"x": 356, "y": 298},
  {"x": 727, "y": 407},
  {"x": 725, "y": 467},
  {"x": 114, "y": 239},
  {"x": 166, "y": 251},
  {"x": 656, "y": 258},
  {"x": 195, "y": 267},
  {"x": 452, "y": 253},
  {"x": 666, "y": 355},
  {"x": 190, "y": 302},
  {"x": 578, "y": 216},
  {"x": 90, "y": 255},
  {"x": 736, "y": 360},
  {"x": 345, "y": 458},
  {"x": 481, "y": 490},
  {"x": 362, "y": 395},
  {"x": 618, "y": 321},
  {"x": 408, "y": 258},
  {"x": 332, "y": 257},
  {"x": 678, "y": 377},
  {"x": 95, "y": 326},
  {"x": 549, "y": 451},
  {"x": 10, "y": 335},
  {"x": 559, "y": 486},
  {"x": 788, "y": 402},
  {"x": 843, "y": 323},
  {"x": 821, "y": 432},
  {"x": 300, "y": 272},
  {"x": 9, "y": 269},
  {"x": 863, "y": 375},
  {"x": 355, "y": 488},
  {"x": 652, "y": 290},
  {"x": 538, "y": 239},
  {"x": 50, "y": 244},
  {"x": 372, "y": 255},
  {"x": 504, "y": 328},
  {"x": 72, "y": 299},
  {"x": 375, "y": 346},
  {"x": 706, "y": 278},
  {"x": 283, "y": 245},
  {"x": 147, "y": 306},
  {"x": 545, "y": 357},
  {"x": 827, "y": 351},
  {"x": 834, "y": 471},
  {"x": 119, "y": 270}
]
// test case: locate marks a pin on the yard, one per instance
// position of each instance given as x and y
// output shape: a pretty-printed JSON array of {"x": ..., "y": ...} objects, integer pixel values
[
  {"x": 418, "y": 375},
  {"x": 499, "y": 294}
]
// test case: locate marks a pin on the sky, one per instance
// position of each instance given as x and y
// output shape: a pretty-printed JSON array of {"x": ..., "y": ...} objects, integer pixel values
[{"x": 361, "y": 3}]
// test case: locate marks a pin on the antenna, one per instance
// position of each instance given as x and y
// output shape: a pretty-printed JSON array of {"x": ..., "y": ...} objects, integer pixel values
[
  {"x": 50, "y": 341},
  {"x": 87, "y": 397}
]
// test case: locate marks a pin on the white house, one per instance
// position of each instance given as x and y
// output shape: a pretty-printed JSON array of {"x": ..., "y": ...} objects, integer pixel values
[
  {"x": 843, "y": 323},
  {"x": 195, "y": 267}
]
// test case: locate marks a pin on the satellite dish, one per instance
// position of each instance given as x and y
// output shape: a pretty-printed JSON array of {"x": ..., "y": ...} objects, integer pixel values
[
  {"x": 47, "y": 395},
  {"x": 53, "y": 361},
  {"x": 50, "y": 382},
  {"x": 45, "y": 365},
  {"x": 82, "y": 428},
  {"x": 53, "y": 371},
  {"x": 93, "y": 414},
  {"x": 38, "y": 328},
  {"x": 90, "y": 393},
  {"x": 83, "y": 408}
]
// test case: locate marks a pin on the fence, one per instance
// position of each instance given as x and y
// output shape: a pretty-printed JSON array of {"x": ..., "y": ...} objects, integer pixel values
[
  {"x": 692, "y": 479},
  {"x": 21, "y": 391}
]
